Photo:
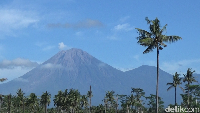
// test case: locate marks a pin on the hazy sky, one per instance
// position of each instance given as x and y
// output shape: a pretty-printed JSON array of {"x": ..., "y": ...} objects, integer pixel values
[{"x": 32, "y": 31}]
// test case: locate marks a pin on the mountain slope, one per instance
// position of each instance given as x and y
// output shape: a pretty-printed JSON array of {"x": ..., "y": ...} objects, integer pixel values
[
  {"x": 73, "y": 68},
  {"x": 77, "y": 69}
]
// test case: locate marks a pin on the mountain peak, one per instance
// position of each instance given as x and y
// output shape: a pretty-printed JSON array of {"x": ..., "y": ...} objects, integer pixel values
[
  {"x": 71, "y": 57},
  {"x": 72, "y": 50}
]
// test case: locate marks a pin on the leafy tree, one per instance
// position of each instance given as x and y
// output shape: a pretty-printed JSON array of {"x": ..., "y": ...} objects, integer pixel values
[
  {"x": 154, "y": 39},
  {"x": 126, "y": 102},
  {"x": 7, "y": 103},
  {"x": 58, "y": 100},
  {"x": 152, "y": 104},
  {"x": 74, "y": 99},
  {"x": 84, "y": 101},
  {"x": 189, "y": 78},
  {"x": 110, "y": 100},
  {"x": 45, "y": 100},
  {"x": 138, "y": 94},
  {"x": 1, "y": 80},
  {"x": 33, "y": 102},
  {"x": 176, "y": 82},
  {"x": 194, "y": 94}
]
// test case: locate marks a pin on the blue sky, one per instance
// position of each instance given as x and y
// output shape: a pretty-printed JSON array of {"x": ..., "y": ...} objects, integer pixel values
[{"x": 33, "y": 31}]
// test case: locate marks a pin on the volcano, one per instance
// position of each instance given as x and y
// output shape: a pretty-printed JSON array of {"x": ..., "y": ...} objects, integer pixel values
[
  {"x": 68, "y": 69},
  {"x": 75, "y": 68}
]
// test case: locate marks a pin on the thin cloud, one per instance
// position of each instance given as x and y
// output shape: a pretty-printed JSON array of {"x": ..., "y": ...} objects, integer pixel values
[
  {"x": 123, "y": 19},
  {"x": 83, "y": 24},
  {"x": 136, "y": 57},
  {"x": 180, "y": 66},
  {"x": 125, "y": 69},
  {"x": 48, "y": 48},
  {"x": 51, "y": 66},
  {"x": 14, "y": 72},
  {"x": 19, "y": 62},
  {"x": 12, "y": 19},
  {"x": 79, "y": 33},
  {"x": 123, "y": 27},
  {"x": 62, "y": 46},
  {"x": 112, "y": 38}
]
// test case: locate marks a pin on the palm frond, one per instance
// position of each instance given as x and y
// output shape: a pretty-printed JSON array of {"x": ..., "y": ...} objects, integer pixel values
[
  {"x": 143, "y": 34},
  {"x": 164, "y": 45},
  {"x": 169, "y": 88},
  {"x": 150, "y": 48},
  {"x": 163, "y": 29},
  {"x": 182, "y": 88},
  {"x": 145, "y": 42},
  {"x": 171, "y": 38},
  {"x": 148, "y": 21},
  {"x": 170, "y": 83}
]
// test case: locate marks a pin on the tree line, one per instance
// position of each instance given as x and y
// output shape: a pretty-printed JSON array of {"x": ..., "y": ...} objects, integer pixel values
[{"x": 72, "y": 101}]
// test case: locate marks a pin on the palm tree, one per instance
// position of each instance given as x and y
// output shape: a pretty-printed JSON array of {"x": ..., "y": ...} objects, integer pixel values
[
  {"x": 154, "y": 39},
  {"x": 20, "y": 97},
  {"x": 89, "y": 94},
  {"x": 84, "y": 101},
  {"x": 176, "y": 82},
  {"x": 58, "y": 100},
  {"x": 74, "y": 97},
  {"x": 45, "y": 100},
  {"x": 189, "y": 78},
  {"x": 138, "y": 94},
  {"x": 110, "y": 99},
  {"x": 152, "y": 103},
  {"x": 33, "y": 102}
]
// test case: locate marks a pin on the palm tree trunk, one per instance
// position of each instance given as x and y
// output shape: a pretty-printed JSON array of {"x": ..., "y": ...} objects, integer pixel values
[
  {"x": 90, "y": 98},
  {"x": 127, "y": 108},
  {"x": 188, "y": 97},
  {"x": 0, "y": 103},
  {"x": 45, "y": 108},
  {"x": 117, "y": 104},
  {"x": 23, "y": 105},
  {"x": 157, "y": 79},
  {"x": 175, "y": 96}
]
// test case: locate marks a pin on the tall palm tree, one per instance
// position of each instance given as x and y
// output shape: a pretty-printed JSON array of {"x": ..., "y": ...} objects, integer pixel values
[
  {"x": 84, "y": 101},
  {"x": 110, "y": 99},
  {"x": 33, "y": 101},
  {"x": 89, "y": 94},
  {"x": 20, "y": 96},
  {"x": 176, "y": 82},
  {"x": 189, "y": 78},
  {"x": 74, "y": 97},
  {"x": 138, "y": 94},
  {"x": 154, "y": 39},
  {"x": 45, "y": 100},
  {"x": 58, "y": 100}
]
